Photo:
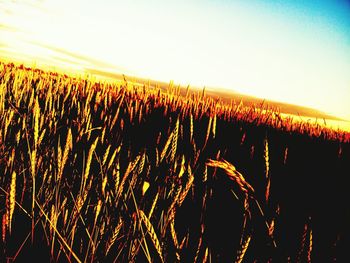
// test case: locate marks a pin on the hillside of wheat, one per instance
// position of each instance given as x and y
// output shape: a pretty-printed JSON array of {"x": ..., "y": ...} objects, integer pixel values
[{"x": 95, "y": 171}]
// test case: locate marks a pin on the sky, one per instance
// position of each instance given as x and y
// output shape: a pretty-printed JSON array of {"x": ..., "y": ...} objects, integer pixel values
[{"x": 290, "y": 51}]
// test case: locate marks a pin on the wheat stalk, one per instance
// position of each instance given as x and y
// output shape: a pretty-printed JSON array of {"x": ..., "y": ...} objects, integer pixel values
[
  {"x": 173, "y": 234},
  {"x": 64, "y": 242},
  {"x": 171, "y": 209},
  {"x": 3, "y": 226},
  {"x": 67, "y": 148},
  {"x": 267, "y": 169},
  {"x": 33, "y": 164},
  {"x": 18, "y": 137},
  {"x": 266, "y": 157},
  {"x": 12, "y": 199},
  {"x": 105, "y": 156},
  {"x": 41, "y": 137},
  {"x": 116, "y": 173},
  {"x": 191, "y": 127},
  {"x": 153, "y": 205},
  {"x": 103, "y": 132},
  {"x": 285, "y": 155},
  {"x": 103, "y": 185},
  {"x": 53, "y": 219},
  {"x": 142, "y": 164},
  {"x": 272, "y": 227},
  {"x": 208, "y": 131},
  {"x": 98, "y": 209},
  {"x": 88, "y": 162},
  {"x": 199, "y": 243},
  {"x": 162, "y": 155},
  {"x": 114, "y": 236},
  {"x": 205, "y": 174},
  {"x": 241, "y": 252},
  {"x": 152, "y": 233},
  {"x": 214, "y": 126},
  {"x": 81, "y": 200},
  {"x": 36, "y": 121},
  {"x": 186, "y": 189},
  {"x": 113, "y": 157},
  {"x": 130, "y": 168},
  {"x": 310, "y": 247},
  {"x": 233, "y": 174},
  {"x": 182, "y": 167},
  {"x": 59, "y": 158},
  {"x": 206, "y": 255},
  {"x": 174, "y": 141}
]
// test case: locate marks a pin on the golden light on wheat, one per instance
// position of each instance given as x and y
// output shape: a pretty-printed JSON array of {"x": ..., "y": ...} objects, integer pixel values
[{"x": 124, "y": 172}]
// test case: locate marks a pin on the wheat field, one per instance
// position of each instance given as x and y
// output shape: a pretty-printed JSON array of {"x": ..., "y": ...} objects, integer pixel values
[{"x": 97, "y": 171}]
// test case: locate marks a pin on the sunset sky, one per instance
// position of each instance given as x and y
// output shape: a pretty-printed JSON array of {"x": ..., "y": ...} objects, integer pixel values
[{"x": 290, "y": 51}]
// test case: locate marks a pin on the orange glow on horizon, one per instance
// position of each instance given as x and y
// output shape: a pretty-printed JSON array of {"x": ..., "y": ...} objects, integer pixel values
[{"x": 247, "y": 52}]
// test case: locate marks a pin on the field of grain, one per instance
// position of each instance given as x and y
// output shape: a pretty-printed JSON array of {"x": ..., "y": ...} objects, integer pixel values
[{"x": 102, "y": 172}]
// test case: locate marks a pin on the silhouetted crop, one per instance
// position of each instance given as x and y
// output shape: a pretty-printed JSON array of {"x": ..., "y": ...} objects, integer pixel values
[{"x": 99, "y": 171}]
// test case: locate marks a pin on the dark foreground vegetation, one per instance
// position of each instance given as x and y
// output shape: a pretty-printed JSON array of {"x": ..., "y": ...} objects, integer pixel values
[{"x": 99, "y": 172}]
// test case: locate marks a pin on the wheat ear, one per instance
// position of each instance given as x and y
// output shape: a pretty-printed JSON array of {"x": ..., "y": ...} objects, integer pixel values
[{"x": 152, "y": 233}]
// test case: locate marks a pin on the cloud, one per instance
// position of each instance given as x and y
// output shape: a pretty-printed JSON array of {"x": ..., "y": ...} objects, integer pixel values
[
  {"x": 4, "y": 27},
  {"x": 68, "y": 61},
  {"x": 75, "y": 58}
]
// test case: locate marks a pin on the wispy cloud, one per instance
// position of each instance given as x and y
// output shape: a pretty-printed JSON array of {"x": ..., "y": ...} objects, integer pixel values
[
  {"x": 69, "y": 56},
  {"x": 9, "y": 28}
]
